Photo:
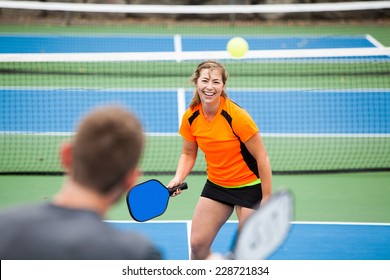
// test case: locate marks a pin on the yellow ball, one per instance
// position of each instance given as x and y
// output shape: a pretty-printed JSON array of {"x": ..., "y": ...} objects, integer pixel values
[{"x": 237, "y": 47}]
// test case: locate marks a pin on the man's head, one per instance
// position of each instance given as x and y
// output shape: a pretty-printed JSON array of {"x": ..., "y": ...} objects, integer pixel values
[{"x": 106, "y": 149}]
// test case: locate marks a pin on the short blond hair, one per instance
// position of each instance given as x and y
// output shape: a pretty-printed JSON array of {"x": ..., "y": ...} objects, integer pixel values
[{"x": 108, "y": 144}]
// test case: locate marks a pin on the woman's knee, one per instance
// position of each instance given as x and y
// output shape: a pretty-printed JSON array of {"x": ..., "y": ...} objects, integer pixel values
[{"x": 200, "y": 247}]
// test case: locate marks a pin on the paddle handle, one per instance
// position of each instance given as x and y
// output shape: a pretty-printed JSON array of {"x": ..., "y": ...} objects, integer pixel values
[{"x": 182, "y": 186}]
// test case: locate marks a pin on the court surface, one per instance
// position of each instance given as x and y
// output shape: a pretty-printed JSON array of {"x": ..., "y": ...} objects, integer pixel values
[
  {"x": 37, "y": 43},
  {"x": 307, "y": 240},
  {"x": 278, "y": 111},
  {"x": 279, "y": 119}
]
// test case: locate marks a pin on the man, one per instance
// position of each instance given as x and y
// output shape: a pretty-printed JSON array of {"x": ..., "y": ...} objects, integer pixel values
[{"x": 101, "y": 165}]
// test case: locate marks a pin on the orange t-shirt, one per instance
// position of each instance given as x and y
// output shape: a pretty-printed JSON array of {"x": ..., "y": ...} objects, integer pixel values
[{"x": 222, "y": 140}]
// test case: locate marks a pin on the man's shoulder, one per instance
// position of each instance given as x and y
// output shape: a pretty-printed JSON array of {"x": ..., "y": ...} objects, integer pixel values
[
  {"x": 13, "y": 212},
  {"x": 68, "y": 234},
  {"x": 133, "y": 245}
]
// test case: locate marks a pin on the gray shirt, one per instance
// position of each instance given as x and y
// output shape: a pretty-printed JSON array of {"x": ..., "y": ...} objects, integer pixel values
[{"x": 50, "y": 232}]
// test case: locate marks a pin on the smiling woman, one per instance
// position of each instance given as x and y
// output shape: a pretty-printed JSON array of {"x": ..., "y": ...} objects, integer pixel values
[{"x": 238, "y": 167}]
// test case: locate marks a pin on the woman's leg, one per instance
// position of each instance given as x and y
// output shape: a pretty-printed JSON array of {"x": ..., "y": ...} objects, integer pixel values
[
  {"x": 242, "y": 214},
  {"x": 209, "y": 216}
]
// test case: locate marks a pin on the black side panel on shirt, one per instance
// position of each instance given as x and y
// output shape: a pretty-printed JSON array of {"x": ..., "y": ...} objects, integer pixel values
[
  {"x": 248, "y": 158},
  {"x": 193, "y": 116}
]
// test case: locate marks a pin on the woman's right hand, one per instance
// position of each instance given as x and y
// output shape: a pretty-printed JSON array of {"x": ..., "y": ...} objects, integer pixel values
[{"x": 173, "y": 183}]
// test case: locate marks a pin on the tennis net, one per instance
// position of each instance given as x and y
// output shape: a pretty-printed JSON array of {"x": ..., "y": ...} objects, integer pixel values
[{"x": 315, "y": 114}]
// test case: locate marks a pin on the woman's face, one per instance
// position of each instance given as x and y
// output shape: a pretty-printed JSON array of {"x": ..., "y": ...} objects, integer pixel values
[{"x": 209, "y": 86}]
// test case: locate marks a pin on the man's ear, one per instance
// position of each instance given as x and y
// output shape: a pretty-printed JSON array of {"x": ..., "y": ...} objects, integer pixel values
[
  {"x": 66, "y": 158},
  {"x": 132, "y": 179}
]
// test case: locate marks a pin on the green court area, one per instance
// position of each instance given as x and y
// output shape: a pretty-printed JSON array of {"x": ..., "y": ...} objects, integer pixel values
[
  {"x": 256, "y": 74},
  {"x": 39, "y": 153},
  {"x": 352, "y": 197}
]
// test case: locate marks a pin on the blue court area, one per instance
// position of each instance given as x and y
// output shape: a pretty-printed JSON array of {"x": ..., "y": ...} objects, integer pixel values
[
  {"x": 362, "y": 111},
  {"x": 306, "y": 241},
  {"x": 156, "y": 109},
  {"x": 38, "y": 43},
  {"x": 278, "y": 111}
]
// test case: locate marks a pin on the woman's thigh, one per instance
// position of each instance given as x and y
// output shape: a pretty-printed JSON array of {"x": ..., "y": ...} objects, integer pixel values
[{"x": 208, "y": 218}]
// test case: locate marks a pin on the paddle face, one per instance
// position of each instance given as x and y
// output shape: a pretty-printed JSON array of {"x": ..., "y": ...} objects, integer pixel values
[
  {"x": 149, "y": 199},
  {"x": 266, "y": 229}
]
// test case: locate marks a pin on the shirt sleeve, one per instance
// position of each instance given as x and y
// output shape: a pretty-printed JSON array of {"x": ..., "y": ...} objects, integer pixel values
[
  {"x": 243, "y": 125},
  {"x": 185, "y": 127}
]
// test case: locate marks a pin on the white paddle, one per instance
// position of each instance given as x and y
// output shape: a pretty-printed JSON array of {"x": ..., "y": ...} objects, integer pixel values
[{"x": 267, "y": 228}]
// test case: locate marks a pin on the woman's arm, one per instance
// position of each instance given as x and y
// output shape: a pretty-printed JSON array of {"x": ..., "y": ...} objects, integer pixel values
[{"x": 185, "y": 164}]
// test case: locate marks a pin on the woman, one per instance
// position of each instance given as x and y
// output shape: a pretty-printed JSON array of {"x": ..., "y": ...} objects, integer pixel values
[{"x": 238, "y": 167}]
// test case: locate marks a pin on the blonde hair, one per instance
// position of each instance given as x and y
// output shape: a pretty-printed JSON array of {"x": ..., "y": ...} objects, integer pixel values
[
  {"x": 212, "y": 65},
  {"x": 108, "y": 144}
]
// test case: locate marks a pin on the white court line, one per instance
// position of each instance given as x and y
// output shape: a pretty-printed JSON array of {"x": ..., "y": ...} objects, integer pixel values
[
  {"x": 175, "y": 134},
  {"x": 189, "y": 222},
  {"x": 177, "y": 43},
  {"x": 230, "y": 89},
  {"x": 147, "y": 222},
  {"x": 340, "y": 223},
  {"x": 181, "y": 104},
  {"x": 191, "y": 55},
  {"x": 374, "y": 41},
  {"x": 189, "y": 225}
]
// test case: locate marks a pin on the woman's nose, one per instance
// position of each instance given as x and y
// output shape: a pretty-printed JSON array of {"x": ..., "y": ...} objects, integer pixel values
[{"x": 209, "y": 85}]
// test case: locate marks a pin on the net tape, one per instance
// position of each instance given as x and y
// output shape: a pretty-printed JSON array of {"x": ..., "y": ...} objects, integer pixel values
[
  {"x": 199, "y": 55},
  {"x": 196, "y": 9}
]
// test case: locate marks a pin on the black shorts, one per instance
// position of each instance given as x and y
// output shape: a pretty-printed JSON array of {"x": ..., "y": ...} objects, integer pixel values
[{"x": 249, "y": 197}]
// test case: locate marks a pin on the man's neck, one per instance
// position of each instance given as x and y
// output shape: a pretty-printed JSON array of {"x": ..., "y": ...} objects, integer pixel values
[{"x": 73, "y": 195}]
